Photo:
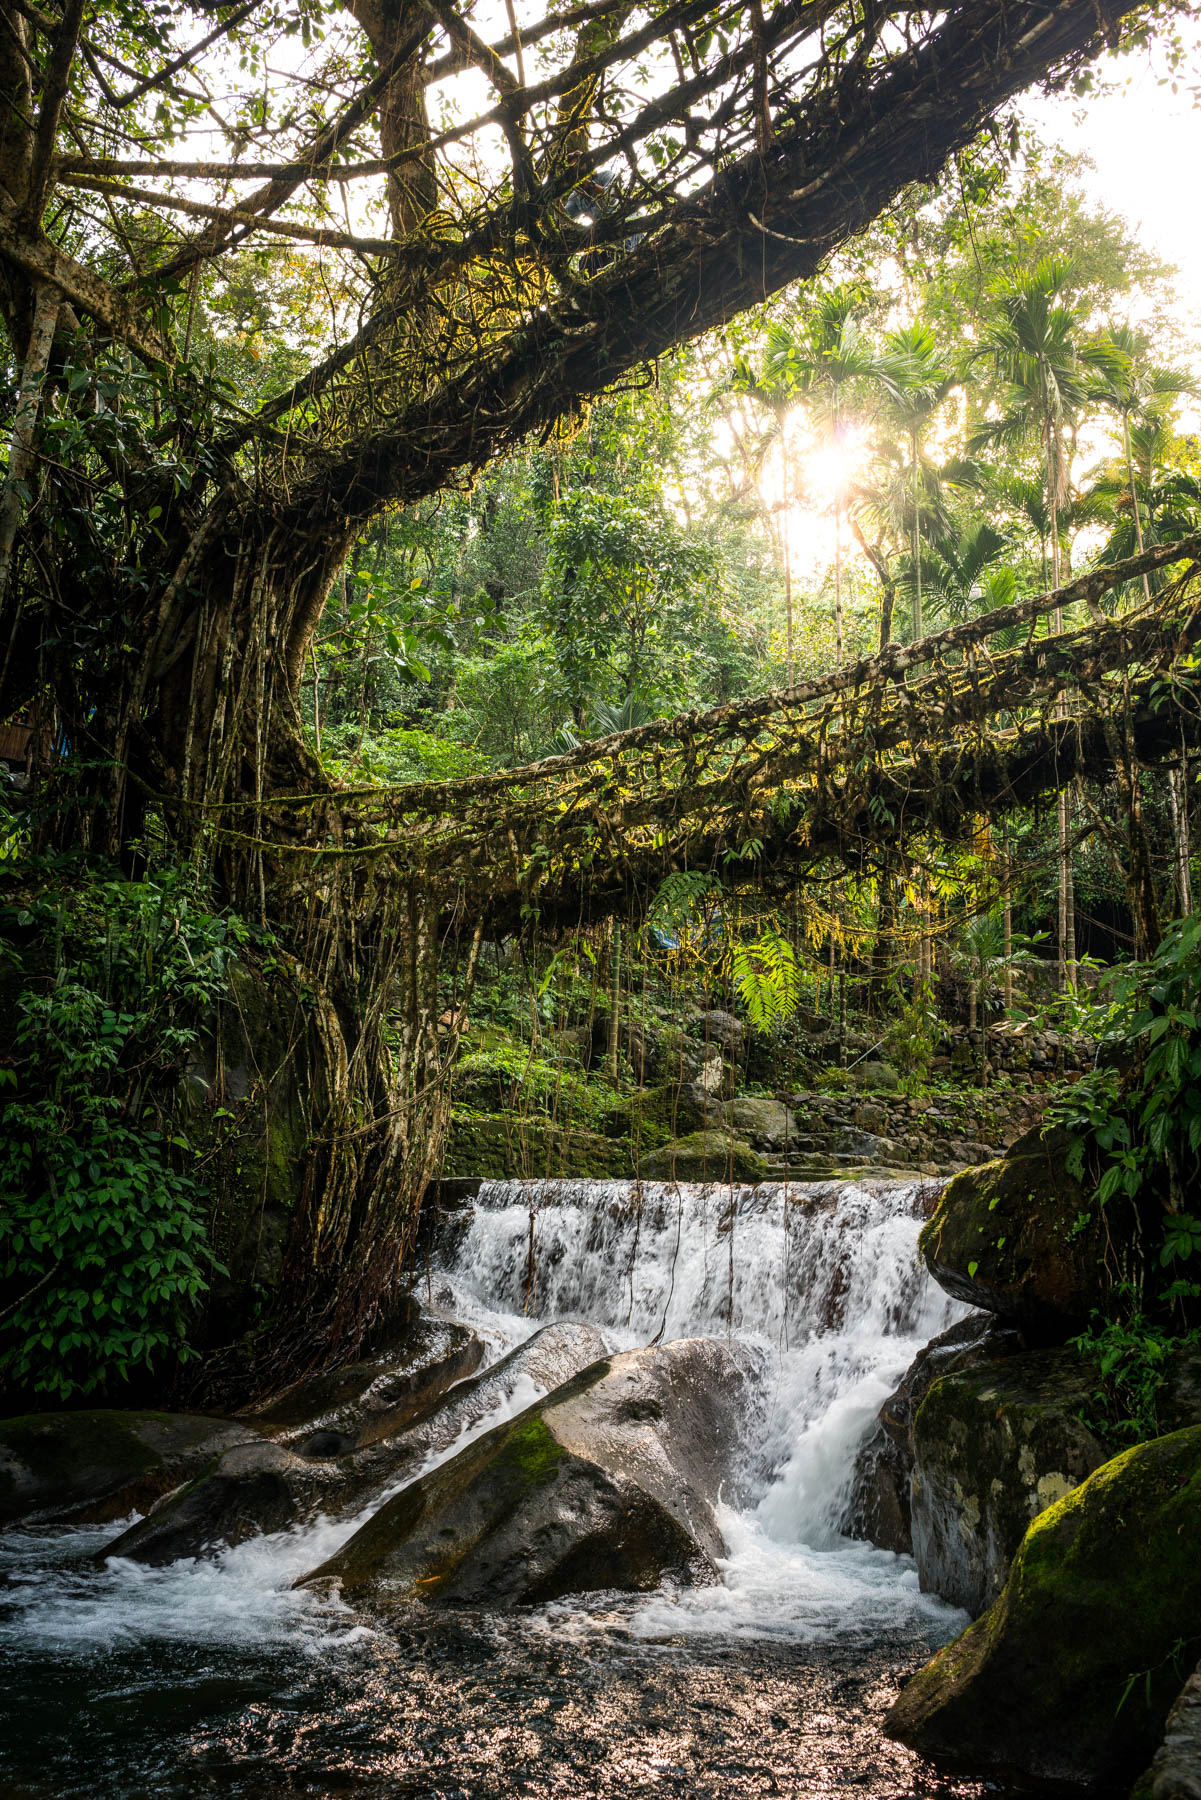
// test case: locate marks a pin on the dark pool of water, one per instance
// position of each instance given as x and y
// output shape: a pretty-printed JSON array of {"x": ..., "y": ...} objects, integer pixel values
[{"x": 463, "y": 1708}]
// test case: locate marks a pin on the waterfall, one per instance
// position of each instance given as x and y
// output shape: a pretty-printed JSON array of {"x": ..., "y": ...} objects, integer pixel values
[{"x": 824, "y": 1277}]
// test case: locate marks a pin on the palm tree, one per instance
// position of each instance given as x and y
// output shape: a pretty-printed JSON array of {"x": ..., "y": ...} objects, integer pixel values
[
  {"x": 964, "y": 571},
  {"x": 1044, "y": 371},
  {"x": 1140, "y": 397},
  {"x": 918, "y": 383}
]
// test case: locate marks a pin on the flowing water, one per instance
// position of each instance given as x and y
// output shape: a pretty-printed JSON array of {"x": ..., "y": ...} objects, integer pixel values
[{"x": 214, "y": 1676}]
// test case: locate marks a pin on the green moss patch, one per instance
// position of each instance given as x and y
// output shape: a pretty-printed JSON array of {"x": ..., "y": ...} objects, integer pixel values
[{"x": 1069, "y": 1677}]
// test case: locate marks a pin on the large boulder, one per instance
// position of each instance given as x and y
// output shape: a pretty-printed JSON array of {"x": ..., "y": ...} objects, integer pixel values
[
  {"x": 703, "y": 1156},
  {"x": 993, "y": 1446},
  {"x": 349, "y": 1407},
  {"x": 611, "y": 1482},
  {"x": 95, "y": 1466},
  {"x": 1070, "y": 1675},
  {"x": 723, "y": 1029},
  {"x": 764, "y": 1124},
  {"x": 542, "y": 1363},
  {"x": 879, "y": 1506},
  {"x": 1019, "y": 1237},
  {"x": 252, "y": 1489},
  {"x": 265, "y": 1487},
  {"x": 653, "y": 1115}
]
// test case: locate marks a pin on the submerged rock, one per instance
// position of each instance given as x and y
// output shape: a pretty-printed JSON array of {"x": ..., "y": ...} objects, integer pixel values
[
  {"x": 1070, "y": 1675},
  {"x": 100, "y": 1465},
  {"x": 610, "y": 1482},
  {"x": 703, "y": 1156},
  {"x": 993, "y": 1447},
  {"x": 1019, "y": 1237}
]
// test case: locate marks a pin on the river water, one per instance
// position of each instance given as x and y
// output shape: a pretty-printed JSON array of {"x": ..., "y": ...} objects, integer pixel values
[{"x": 214, "y": 1676}]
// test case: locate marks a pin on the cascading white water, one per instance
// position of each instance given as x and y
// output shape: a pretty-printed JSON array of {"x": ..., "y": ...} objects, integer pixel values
[{"x": 825, "y": 1277}]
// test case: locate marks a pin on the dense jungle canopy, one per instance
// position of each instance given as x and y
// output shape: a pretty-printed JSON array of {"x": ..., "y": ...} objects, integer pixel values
[{"x": 395, "y": 530}]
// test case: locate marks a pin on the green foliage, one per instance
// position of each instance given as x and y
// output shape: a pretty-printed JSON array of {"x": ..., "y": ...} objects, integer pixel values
[
  {"x": 1133, "y": 1357},
  {"x": 912, "y": 1037},
  {"x": 767, "y": 979},
  {"x": 1147, "y": 1128},
  {"x": 102, "y": 1250}
]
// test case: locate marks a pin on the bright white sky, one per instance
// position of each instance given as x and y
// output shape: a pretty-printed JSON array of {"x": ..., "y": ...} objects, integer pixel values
[{"x": 1145, "y": 143}]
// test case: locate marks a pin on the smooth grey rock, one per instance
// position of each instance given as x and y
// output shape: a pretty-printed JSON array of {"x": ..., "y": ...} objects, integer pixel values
[
  {"x": 610, "y": 1482},
  {"x": 253, "y": 1489},
  {"x": 264, "y": 1487},
  {"x": 724, "y": 1029},
  {"x": 346, "y": 1408}
]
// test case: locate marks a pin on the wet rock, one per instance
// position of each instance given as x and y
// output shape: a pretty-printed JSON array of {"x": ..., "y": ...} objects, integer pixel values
[
  {"x": 266, "y": 1487},
  {"x": 101, "y": 1465},
  {"x": 1019, "y": 1237},
  {"x": 764, "y": 1124},
  {"x": 252, "y": 1489},
  {"x": 993, "y": 1447},
  {"x": 879, "y": 1507},
  {"x": 1176, "y": 1772},
  {"x": 703, "y": 1156},
  {"x": 611, "y": 1482},
  {"x": 346, "y": 1408},
  {"x": 1070, "y": 1675},
  {"x": 544, "y": 1362}
]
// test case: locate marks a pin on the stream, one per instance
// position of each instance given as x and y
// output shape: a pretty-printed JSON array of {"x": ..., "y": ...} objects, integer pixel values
[{"x": 214, "y": 1676}]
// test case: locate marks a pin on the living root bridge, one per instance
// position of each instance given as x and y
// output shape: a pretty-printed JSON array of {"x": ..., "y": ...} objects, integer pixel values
[{"x": 974, "y": 720}]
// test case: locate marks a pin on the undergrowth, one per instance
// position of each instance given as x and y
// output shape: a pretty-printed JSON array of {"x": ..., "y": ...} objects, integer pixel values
[{"x": 102, "y": 1248}]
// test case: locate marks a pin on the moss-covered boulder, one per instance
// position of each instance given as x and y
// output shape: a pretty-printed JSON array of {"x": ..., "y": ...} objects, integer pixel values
[
  {"x": 703, "y": 1156},
  {"x": 611, "y": 1482},
  {"x": 508, "y": 1147},
  {"x": 993, "y": 1446},
  {"x": 1070, "y": 1675},
  {"x": 1019, "y": 1237},
  {"x": 655, "y": 1115},
  {"x": 879, "y": 1508},
  {"x": 100, "y": 1465},
  {"x": 763, "y": 1123}
]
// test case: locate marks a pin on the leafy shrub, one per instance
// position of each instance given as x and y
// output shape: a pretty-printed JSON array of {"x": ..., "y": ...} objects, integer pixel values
[{"x": 102, "y": 1250}]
